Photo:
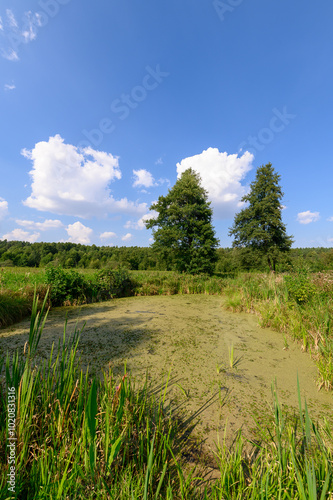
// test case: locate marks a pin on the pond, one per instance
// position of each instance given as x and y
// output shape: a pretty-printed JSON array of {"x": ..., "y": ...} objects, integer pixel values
[{"x": 193, "y": 336}]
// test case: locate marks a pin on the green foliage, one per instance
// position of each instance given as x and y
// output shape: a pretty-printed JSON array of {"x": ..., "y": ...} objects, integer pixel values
[
  {"x": 185, "y": 234},
  {"x": 72, "y": 287},
  {"x": 13, "y": 307},
  {"x": 299, "y": 287},
  {"x": 110, "y": 283},
  {"x": 172, "y": 283},
  {"x": 260, "y": 226},
  {"x": 230, "y": 260},
  {"x": 66, "y": 286}
]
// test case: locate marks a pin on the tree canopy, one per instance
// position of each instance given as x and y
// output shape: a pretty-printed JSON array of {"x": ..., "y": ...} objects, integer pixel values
[
  {"x": 260, "y": 225},
  {"x": 185, "y": 235}
]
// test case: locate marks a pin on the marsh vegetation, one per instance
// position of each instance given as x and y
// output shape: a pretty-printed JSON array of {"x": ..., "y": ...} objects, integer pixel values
[{"x": 196, "y": 415}]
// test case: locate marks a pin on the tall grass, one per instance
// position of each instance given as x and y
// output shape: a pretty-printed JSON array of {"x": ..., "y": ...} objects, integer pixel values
[
  {"x": 172, "y": 283},
  {"x": 17, "y": 288},
  {"x": 291, "y": 459},
  {"x": 300, "y": 306}
]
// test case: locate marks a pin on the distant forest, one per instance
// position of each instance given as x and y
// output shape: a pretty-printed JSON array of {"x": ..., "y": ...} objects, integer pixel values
[{"x": 73, "y": 255}]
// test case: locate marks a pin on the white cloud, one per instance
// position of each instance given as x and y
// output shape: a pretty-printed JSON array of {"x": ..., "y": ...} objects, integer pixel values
[
  {"x": 127, "y": 237},
  {"x": 143, "y": 178},
  {"x": 3, "y": 208},
  {"x": 307, "y": 217},
  {"x": 107, "y": 235},
  {"x": 31, "y": 23},
  {"x": 40, "y": 226},
  {"x": 78, "y": 233},
  {"x": 11, "y": 19},
  {"x": 10, "y": 54},
  {"x": 330, "y": 239},
  {"x": 140, "y": 224},
  {"x": 221, "y": 176},
  {"x": 9, "y": 86},
  {"x": 17, "y": 35},
  {"x": 159, "y": 161},
  {"x": 71, "y": 181},
  {"x": 21, "y": 235},
  {"x": 330, "y": 219}
]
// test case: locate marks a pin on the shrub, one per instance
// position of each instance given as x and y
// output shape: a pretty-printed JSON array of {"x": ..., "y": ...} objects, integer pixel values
[
  {"x": 67, "y": 286},
  {"x": 110, "y": 283},
  {"x": 299, "y": 287}
]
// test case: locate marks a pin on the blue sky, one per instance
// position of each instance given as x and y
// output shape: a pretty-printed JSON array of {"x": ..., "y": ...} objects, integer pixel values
[{"x": 103, "y": 104}]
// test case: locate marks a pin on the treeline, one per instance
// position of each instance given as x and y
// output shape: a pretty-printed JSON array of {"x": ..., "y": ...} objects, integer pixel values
[{"x": 73, "y": 255}]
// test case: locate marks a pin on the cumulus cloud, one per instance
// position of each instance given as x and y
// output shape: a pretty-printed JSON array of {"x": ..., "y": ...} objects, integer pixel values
[
  {"x": 307, "y": 217},
  {"x": 143, "y": 178},
  {"x": 159, "y": 161},
  {"x": 127, "y": 237},
  {"x": 107, "y": 235},
  {"x": 40, "y": 226},
  {"x": 330, "y": 219},
  {"x": 140, "y": 224},
  {"x": 21, "y": 235},
  {"x": 3, "y": 208},
  {"x": 67, "y": 180},
  {"x": 78, "y": 233},
  {"x": 221, "y": 176}
]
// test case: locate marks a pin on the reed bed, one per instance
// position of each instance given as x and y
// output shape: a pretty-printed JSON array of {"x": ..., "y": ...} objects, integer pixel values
[
  {"x": 298, "y": 305},
  {"x": 172, "y": 283},
  {"x": 71, "y": 287},
  {"x": 17, "y": 288}
]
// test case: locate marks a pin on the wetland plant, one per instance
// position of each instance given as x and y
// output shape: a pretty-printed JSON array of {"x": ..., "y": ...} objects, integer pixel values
[{"x": 231, "y": 356}]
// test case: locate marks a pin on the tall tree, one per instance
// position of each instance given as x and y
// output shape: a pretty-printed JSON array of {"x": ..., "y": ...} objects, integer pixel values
[
  {"x": 260, "y": 226},
  {"x": 184, "y": 233}
]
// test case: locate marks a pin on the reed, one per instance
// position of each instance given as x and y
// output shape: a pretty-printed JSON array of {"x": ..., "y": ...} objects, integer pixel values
[{"x": 299, "y": 306}]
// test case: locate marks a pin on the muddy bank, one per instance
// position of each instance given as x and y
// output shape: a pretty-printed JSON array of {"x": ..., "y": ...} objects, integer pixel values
[{"x": 192, "y": 335}]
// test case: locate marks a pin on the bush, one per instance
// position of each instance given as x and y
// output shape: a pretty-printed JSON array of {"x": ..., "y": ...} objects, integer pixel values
[
  {"x": 110, "y": 283},
  {"x": 299, "y": 287},
  {"x": 67, "y": 286},
  {"x": 72, "y": 287}
]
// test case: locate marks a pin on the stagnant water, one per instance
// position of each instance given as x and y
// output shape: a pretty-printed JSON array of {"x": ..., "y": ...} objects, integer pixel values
[{"x": 192, "y": 335}]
